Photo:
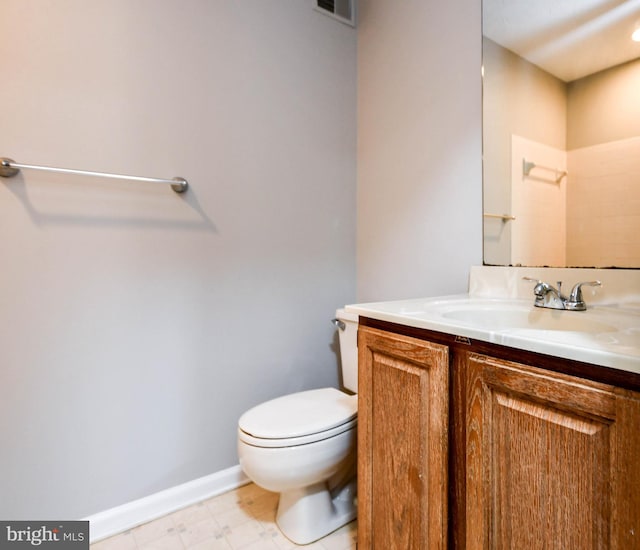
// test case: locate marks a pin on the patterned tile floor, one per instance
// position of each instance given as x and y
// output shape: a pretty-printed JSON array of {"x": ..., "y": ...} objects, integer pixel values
[{"x": 243, "y": 519}]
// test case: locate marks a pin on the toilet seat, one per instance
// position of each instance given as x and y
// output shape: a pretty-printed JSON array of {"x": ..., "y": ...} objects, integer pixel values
[
  {"x": 295, "y": 441},
  {"x": 299, "y": 418}
]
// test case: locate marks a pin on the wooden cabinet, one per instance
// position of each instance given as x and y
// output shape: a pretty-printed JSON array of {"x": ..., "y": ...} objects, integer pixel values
[
  {"x": 402, "y": 442},
  {"x": 462, "y": 447},
  {"x": 549, "y": 460}
]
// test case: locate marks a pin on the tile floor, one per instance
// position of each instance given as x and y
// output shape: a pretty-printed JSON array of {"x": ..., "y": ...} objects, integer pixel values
[{"x": 243, "y": 519}]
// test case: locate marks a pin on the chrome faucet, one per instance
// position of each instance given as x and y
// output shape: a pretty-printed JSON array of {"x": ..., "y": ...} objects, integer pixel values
[{"x": 552, "y": 298}]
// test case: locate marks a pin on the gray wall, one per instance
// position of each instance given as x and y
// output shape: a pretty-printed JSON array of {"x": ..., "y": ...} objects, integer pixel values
[
  {"x": 136, "y": 325},
  {"x": 419, "y": 147}
]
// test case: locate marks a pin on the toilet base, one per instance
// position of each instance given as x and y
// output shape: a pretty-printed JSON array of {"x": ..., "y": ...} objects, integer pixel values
[{"x": 308, "y": 514}]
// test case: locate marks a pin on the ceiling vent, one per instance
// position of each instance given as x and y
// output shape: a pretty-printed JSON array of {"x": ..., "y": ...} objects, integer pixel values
[{"x": 342, "y": 10}]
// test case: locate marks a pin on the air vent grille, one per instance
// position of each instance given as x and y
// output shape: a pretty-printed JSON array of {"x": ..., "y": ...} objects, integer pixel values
[
  {"x": 342, "y": 10},
  {"x": 328, "y": 5}
]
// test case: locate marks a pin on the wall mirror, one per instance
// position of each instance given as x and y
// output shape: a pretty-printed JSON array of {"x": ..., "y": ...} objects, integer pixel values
[{"x": 561, "y": 133}]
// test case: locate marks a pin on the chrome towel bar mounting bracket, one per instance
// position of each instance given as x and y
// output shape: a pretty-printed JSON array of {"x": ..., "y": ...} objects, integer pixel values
[{"x": 9, "y": 168}]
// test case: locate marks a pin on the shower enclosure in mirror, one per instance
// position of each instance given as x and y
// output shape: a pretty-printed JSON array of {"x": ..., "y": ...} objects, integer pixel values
[{"x": 561, "y": 133}]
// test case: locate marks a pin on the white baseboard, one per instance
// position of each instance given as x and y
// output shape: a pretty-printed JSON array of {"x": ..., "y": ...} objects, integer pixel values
[{"x": 119, "y": 519}]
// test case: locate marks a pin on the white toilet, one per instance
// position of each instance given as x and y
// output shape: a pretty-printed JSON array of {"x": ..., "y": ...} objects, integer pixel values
[{"x": 303, "y": 446}]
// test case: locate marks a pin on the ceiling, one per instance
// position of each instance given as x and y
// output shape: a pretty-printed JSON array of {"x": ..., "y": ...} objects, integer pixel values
[{"x": 567, "y": 38}]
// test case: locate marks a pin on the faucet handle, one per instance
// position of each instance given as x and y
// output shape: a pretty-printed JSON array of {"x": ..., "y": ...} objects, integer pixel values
[
  {"x": 576, "y": 291},
  {"x": 538, "y": 282},
  {"x": 540, "y": 289},
  {"x": 575, "y": 301}
]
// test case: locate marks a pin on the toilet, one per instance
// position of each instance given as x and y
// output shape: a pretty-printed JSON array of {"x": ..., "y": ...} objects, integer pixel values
[{"x": 303, "y": 446}]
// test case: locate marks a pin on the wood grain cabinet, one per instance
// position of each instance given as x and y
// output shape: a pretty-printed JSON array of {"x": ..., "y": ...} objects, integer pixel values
[
  {"x": 552, "y": 461},
  {"x": 403, "y": 394},
  {"x": 469, "y": 450}
]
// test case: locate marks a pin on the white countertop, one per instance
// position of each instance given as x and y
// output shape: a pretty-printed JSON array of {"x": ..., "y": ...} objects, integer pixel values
[{"x": 603, "y": 335}]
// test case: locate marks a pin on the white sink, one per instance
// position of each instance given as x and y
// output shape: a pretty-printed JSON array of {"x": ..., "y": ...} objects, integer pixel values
[
  {"x": 532, "y": 318},
  {"x": 607, "y": 336}
]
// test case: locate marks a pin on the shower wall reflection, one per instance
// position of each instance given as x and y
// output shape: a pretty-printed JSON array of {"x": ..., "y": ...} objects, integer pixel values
[{"x": 594, "y": 123}]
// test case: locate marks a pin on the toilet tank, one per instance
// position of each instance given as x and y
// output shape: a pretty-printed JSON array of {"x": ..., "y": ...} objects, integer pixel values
[{"x": 349, "y": 349}]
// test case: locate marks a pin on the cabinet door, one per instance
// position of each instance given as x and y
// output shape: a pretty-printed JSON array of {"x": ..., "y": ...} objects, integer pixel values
[
  {"x": 402, "y": 442},
  {"x": 550, "y": 459}
]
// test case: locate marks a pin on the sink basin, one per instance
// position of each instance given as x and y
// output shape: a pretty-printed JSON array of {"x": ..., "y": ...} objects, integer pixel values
[
  {"x": 603, "y": 335},
  {"x": 505, "y": 318}
]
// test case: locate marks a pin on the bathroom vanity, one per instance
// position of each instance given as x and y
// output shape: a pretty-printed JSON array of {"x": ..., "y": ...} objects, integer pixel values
[{"x": 473, "y": 434}]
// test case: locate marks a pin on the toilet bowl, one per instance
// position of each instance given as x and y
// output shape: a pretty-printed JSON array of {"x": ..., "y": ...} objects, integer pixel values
[{"x": 303, "y": 446}]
